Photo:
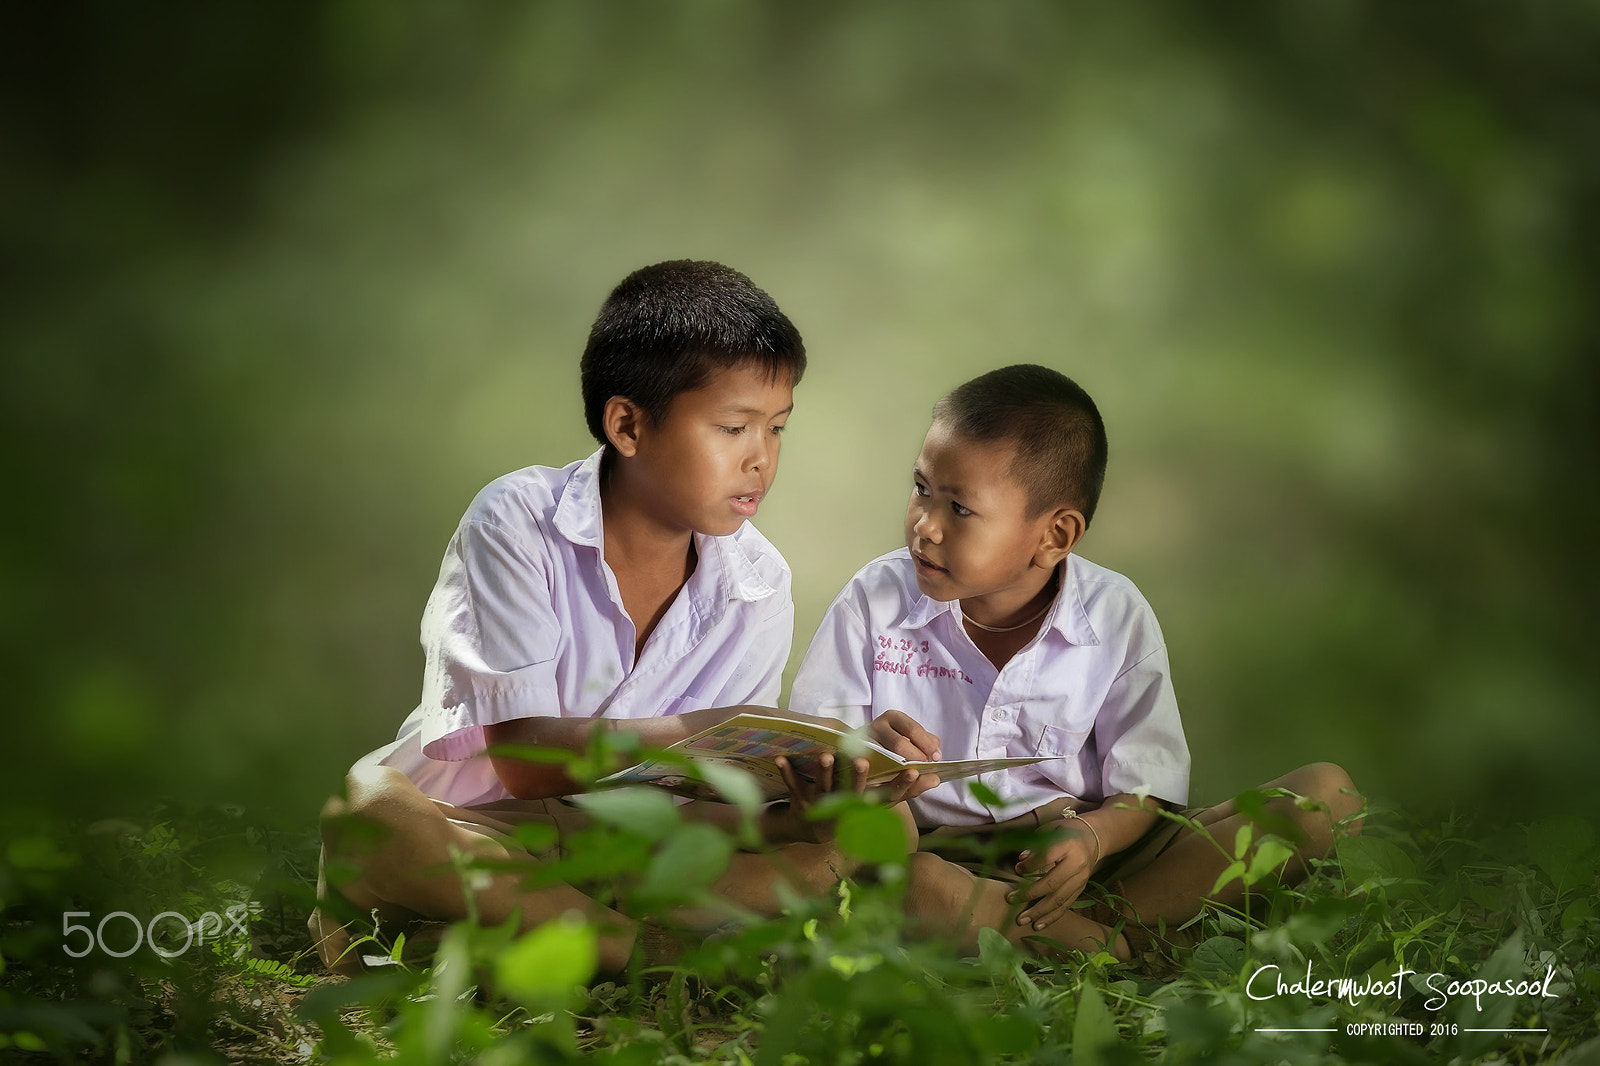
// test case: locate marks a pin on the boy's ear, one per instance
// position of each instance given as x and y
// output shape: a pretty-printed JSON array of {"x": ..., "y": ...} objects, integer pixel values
[
  {"x": 1062, "y": 531},
  {"x": 622, "y": 420}
]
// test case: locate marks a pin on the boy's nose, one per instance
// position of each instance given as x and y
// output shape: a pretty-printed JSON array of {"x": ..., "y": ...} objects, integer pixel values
[
  {"x": 927, "y": 528},
  {"x": 764, "y": 454}
]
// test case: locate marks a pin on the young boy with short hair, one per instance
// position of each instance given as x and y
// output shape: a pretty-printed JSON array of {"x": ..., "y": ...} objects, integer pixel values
[
  {"x": 988, "y": 636},
  {"x": 627, "y": 590}
]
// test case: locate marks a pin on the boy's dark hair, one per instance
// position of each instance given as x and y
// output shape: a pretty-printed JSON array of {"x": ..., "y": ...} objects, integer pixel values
[
  {"x": 667, "y": 327},
  {"x": 1060, "y": 438}
]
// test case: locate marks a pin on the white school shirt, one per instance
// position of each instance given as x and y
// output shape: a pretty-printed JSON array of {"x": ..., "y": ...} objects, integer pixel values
[
  {"x": 526, "y": 620},
  {"x": 1091, "y": 689}
]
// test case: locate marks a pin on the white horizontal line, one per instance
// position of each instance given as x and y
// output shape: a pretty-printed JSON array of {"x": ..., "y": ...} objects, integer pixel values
[
  {"x": 1297, "y": 1030},
  {"x": 1505, "y": 1030}
]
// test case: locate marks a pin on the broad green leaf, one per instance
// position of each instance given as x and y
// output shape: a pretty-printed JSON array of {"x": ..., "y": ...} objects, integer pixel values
[
  {"x": 1005, "y": 1034},
  {"x": 1577, "y": 912},
  {"x": 1231, "y": 872},
  {"x": 691, "y": 858},
  {"x": 1218, "y": 958},
  {"x": 736, "y": 786},
  {"x": 536, "y": 837},
  {"x": 38, "y": 853},
  {"x": 1093, "y": 1029},
  {"x": 650, "y": 812},
  {"x": 1505, "y": 965},
  {"x": 1367, "y": 859},
  {"x": 984, "y": 794},
  {"x": 1270, "y": 854},
  {"x": 1564, "y": 848},
  {"x": 872, "y": 834},
  {"x": 546, "y": 966}
]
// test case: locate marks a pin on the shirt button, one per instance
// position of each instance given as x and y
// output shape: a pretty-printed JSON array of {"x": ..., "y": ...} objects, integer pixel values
[{"x": 1000, "y": 714}]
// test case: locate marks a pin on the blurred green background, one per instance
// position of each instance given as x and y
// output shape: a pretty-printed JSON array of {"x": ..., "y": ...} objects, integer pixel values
[{"x": 282, "y": 285}]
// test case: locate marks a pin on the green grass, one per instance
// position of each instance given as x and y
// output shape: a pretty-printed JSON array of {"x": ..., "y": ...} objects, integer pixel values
[{"x": 835, "y": 980}]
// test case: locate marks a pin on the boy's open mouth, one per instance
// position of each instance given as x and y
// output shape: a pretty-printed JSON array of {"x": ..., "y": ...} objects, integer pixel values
[
  {"x": 747, "y": 504},
  {"x": 923, "y": 563}
]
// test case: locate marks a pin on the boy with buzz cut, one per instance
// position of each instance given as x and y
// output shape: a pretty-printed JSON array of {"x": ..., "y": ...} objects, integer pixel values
[
  {"x": 988, "y": 636},
  {"x": 625, "y": 591}
]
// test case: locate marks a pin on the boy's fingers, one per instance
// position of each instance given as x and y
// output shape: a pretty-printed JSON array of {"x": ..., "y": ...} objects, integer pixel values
[
  {"x": 925, "y": 745},
  {"x": 862, "y": 770},
  {"x": 791, "y": 780}
]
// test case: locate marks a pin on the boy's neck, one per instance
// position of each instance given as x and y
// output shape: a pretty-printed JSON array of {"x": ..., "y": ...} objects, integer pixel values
[{"x": 637, "y": 544}]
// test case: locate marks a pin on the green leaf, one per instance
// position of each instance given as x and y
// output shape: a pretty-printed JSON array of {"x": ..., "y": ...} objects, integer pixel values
[
  {"x": 984, "y": 794},
  {"x": 1241, "y": 840},
  {"x": 691, "y": 858},
  {"x": 1368, "y": 859},
  {"x": 1577, "y": 912},
  {"x": 1232, "y": 871},
  {"x": 650, "y": 812},
  {"x": 1093, "y": 1029},
  {"x": 872, "y": 834},
  {"x": 38, "y": 853},
  {"x": 736, "y": 786},
  {"x": 1218, "y": 958},
  {"x": 1005, "y": 1034},
  {"x": 1505, "y": 965},
  {"x": 1564, "y": 848},
  {"x": 1270, "y": 854},
  {"x": 549, "y": 965}
]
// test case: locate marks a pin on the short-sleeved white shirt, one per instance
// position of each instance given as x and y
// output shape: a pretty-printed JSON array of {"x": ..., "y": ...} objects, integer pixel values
[
  {"x": 526, "y": 620},
  {"x": 1092, "y": 689}
]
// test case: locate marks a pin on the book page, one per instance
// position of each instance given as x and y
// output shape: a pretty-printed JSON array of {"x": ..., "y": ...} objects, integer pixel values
[{"x": 753, "y": 743}]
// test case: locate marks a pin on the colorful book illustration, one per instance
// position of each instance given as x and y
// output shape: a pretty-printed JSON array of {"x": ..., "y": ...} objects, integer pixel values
[{"x": 752, "y": 742}]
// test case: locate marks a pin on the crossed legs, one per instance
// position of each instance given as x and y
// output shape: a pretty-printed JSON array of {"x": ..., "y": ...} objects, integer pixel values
[
  {"x": 401, "y": 847},
  {"x": 949, "y": 900}
]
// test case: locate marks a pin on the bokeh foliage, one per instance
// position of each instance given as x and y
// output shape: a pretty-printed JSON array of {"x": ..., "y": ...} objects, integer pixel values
[{"x": 284, "y": 284}]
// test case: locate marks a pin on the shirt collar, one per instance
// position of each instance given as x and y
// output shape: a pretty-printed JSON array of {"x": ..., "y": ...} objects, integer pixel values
[
  {"x": 578, "y": 513},
  {"x": 1067, "y": 616},
  {"x": 726, "y": 559}
]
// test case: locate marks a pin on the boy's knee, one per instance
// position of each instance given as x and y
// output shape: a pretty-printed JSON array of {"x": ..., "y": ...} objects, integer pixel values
[
  {"x": 1330, "y": 784},
  {"x": 378, "y": 803},
  {"x": 935, "y": 885}
]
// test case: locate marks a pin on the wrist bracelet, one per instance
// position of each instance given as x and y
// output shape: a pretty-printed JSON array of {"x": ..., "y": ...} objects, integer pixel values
[{"x": 1069, "y": 814}]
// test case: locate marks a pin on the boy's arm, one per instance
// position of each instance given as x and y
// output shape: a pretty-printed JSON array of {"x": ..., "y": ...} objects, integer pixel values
[
  {"x": 1064, "y": 867},
  {"x": 536, "y": 780}
]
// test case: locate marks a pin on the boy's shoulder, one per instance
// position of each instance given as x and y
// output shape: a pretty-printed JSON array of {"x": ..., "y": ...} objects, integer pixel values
[
  {"x": 1108, "y": 601},
  {"x": 886, "y": 584},
  {"x": 527, "y": 501}
]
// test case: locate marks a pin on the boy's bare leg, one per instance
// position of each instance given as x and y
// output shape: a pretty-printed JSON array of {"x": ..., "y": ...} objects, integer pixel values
[
  {"x": 950, "y": 900},
  {"x": 944, "y": 899},
  {"x": 1173, "y": 887},
  {"x": 407, "y": 872},
  {"x": 756, "y": 881}
]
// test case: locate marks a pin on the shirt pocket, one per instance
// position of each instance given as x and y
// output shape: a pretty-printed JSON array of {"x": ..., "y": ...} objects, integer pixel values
[{"x": 1059, "y": 741}]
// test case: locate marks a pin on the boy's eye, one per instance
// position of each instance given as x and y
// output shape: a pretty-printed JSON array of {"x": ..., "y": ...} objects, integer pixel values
[
  {"x": 958, "y": 509},
  {"x": 919, "y": 488},
  {"x": 732, "y": 431}
]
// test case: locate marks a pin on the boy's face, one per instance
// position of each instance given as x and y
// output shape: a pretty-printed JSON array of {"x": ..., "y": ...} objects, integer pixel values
[
  {"x": 710, "y": 461},
  {"x": 968, "y": 528}
]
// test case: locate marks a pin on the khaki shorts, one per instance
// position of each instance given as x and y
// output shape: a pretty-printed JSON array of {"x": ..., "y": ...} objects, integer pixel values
[
  {"x": 501, "y": 819},
  {"x": 991, "y": 850}
]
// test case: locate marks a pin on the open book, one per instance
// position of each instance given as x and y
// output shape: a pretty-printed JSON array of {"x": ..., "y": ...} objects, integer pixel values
[{"x": 752, "y": 741}]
